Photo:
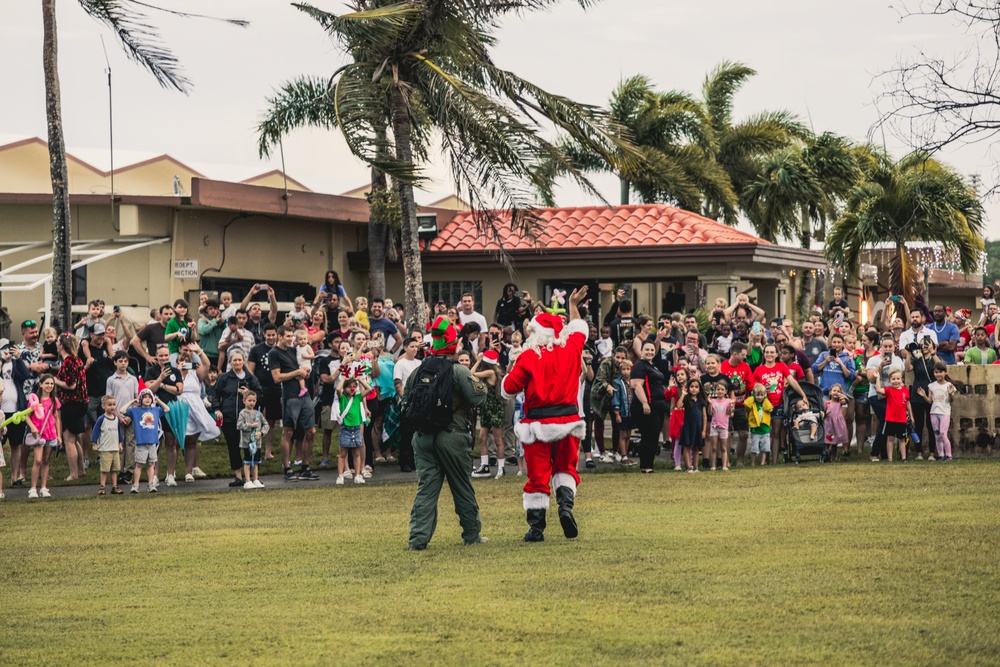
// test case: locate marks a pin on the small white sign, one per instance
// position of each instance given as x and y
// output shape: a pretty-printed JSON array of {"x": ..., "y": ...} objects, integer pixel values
[{"x": 185, "y": 269}]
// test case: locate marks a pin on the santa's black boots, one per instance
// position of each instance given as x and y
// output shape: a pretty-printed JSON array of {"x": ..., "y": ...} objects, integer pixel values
[
  {"x": 565, "y": 497},
  {"x": 536, "y": 526}
]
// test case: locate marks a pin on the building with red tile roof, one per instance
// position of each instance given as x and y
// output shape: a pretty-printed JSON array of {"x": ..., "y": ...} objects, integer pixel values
[{"x": 677, "y": 260}]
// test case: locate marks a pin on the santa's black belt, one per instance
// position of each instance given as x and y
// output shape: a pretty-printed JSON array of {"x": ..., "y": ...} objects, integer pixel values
[{"x": 553, "y": 411}]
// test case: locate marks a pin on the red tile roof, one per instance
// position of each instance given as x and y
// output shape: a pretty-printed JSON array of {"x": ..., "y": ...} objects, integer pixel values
[{"x": 595, "y": 227}]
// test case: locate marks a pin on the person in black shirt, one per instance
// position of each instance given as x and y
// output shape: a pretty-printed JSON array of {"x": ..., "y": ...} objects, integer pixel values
[
  {"x": 649, "y": 404},
  {"x": 509, "y": 310},
  {"x": 297, "y": 411},
  {"x": 270, "y": 399},
  {"x": 623, "y": 327},
  {"x": 164, "y": 380}
]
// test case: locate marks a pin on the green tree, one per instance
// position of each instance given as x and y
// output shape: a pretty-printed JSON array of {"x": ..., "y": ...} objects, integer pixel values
[
  {"x": 140, "y": 43},
  {"x": 914, "y": 199},
  {"x": 672, "y": 133},
  {"x": 430, "y": 59}
]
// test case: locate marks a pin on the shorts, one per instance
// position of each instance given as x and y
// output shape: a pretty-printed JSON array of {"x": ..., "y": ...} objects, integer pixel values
[
  {"x": 110, "y": 461},
  {"x": 739, "y": 420},
  {"x": 74, "y": 417},
  {"x": 350, "y": 437},
  {"x": 894, "y": 429},
  {"x": 272, "y": 405},
  {"x": 719, "y": 431},
  {"x": 145, "y": 454},
  {"x": 251, "y": 459},
  {"x": 760, "y": 443},
  {"x": 94, "y": 409},
  {"x": 45, "y": 443},
  {"x": 298, "y": 412},
  {"x": 626, "y": 424},
  {"x": 861, "y": 399},
  {"x": 777, "y": 412},
  {"x": 326, "y": 418}
]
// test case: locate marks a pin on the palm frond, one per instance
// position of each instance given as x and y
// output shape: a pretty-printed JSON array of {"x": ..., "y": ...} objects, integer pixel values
[
  {"x": 378, "y": 28},
  {"x": 718, "y": 90},
  {"x": 302, "y": 102},
  {"x": 140, "y": 40}
]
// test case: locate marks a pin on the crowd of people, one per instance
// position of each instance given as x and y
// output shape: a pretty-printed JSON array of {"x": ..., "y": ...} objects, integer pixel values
[{"x": 708, "y": 395}]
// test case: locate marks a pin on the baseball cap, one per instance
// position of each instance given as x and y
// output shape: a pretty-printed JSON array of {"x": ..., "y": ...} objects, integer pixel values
[
  {"x": 98, "y": 328},
  {"x": 4, "y": 343}
]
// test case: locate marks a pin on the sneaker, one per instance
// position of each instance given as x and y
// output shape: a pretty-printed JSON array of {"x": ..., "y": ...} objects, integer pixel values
[
  {"x": 492, "y": 461},
  {"x": 512, "y": 460},
  {"x": 607, "y": 458},
  {"x": 520, "y": 473},
  {"x": 46, "y": 494},
  {"x": 115, "y": 490},
  {"x": 290, "y": 476},
  {"x": 617, "y": 457},
  {"x": 100, "y": 492},
  {"x": 198, "y": 473},
  {"x": 236, "y": 483},
  {"x": 500, "y": 473},
  {"x": 257, "y": 484},
  {"x": 134, "y": 489},
  {"x": 677, "y": 468},
  {"x": 307, "y": 475},
  {"x": 248, "y": 486},
  {"x": 2, "y": 496},
  {"x": 931, "y": 458},
  {"x": 340, "y": 480},
  {"x": 348, "y": 474},
  {"x": 86, "y": 463},
  {"x": 725, "y": 469},
  {"x": 171, "y": 481},
  {"x": 920, "y": 457},
  {"x": 366, "y": 473},
  {"x": 297, "y": 463},
  {"x": 151, "y": 488},
  {"x": 481, "y": 471},
  {"x": 359, "y": 479},
  {"x": 590, "y": 464},
  {"x": 125, "y": 478},
  {"x": 189, "y": 478},
  {"x": 324, "y": 464}
]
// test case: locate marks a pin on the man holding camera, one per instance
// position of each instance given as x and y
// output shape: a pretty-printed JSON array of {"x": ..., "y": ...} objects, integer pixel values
[{"x": 910, "y": 339}]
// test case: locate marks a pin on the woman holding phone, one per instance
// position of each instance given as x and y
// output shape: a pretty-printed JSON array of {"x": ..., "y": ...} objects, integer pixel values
[{"x": 200, "y": 425}]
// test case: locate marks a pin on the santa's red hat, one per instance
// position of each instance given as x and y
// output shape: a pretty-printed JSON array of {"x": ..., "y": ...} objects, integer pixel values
[
  {"x": 547, "y": 324},
  {"x": 491, "y": 357}
]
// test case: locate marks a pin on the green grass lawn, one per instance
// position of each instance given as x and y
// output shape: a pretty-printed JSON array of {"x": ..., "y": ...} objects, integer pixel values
[{"x": 853, "y": 564}]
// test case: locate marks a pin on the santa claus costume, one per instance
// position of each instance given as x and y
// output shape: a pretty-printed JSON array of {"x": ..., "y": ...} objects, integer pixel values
[{"x": 548, "y": 372}]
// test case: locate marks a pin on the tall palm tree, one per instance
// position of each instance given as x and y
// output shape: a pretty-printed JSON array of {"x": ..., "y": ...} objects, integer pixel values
[
  {"x": 914, "y": 199},
  {"x": 141, "y": 43},
  {"x": 741, "y": 146},
  {"x": 672, "y": 133},
  {"x": 431, "y": 60}
]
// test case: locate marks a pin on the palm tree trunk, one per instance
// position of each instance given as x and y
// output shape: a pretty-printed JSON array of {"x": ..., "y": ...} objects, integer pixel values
[
  {"x": 625, "y": 191},
  {"x": 62, "y": 281},
  {"x": 378, "y": 231},
  {"x": 806, "y": 233},
  {"x": 413, "y": 280}
]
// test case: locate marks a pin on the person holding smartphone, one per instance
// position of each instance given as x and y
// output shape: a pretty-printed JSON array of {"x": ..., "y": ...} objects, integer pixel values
[{"x": 510, "y": 305}]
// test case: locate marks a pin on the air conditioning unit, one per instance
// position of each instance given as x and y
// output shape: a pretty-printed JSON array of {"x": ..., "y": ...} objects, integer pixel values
[{"x": 427, "y": 226}]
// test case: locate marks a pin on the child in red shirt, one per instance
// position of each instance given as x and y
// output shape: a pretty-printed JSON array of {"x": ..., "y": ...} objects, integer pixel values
[{"x": 897, "y": 412}]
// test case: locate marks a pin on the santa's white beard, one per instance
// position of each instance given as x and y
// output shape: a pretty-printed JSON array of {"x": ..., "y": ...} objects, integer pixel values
[{"x": 538, "y": 341}]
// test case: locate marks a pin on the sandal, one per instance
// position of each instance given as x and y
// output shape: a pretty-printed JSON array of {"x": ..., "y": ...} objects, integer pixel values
[{"x": 379, "y": 459}]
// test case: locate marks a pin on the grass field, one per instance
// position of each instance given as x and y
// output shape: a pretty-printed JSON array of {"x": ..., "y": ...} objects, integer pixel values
[{"x": 852, "y": 564}]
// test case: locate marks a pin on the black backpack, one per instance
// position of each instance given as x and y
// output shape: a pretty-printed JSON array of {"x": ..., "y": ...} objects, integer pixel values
[{"x": 428, "y": 403}]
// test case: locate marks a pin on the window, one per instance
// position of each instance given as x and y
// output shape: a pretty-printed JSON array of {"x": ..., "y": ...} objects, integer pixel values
[
  {"x": 80, "y": 286},
  {"x": 451, "y": 292}
]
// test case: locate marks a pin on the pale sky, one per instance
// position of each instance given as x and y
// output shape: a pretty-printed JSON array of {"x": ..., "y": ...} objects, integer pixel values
[{"x": 816, "y": 59}]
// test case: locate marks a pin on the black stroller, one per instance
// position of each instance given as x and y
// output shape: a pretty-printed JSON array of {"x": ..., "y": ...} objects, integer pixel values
[{"x": 799, "y": 440}]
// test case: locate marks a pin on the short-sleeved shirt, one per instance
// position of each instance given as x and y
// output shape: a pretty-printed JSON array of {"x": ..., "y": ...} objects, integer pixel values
[
  {"x": 262, "y": 366},
  {"x": 813, "y": 349},
  {"x": 948, "y": 331},
  {"x": 911, "y": 336},
  {"x": 283, "y": 360},
  {"x": 100, "y": 369},
  {"x": 652, "y": 380},
  {"x": 707, "y": 379},
  {"x": 152, "y": 335},
  {"x": 124, "y": 389},
  {"x": 773, "y": 379},
  {"x": 623, "y": 330},
  {"x": 875, "y": 364},
  {"x": 327, "y": 366},
  {"x": 110, "y": 437},
  {"x": 404, "y": 367},
  {"x": 71, "y": 372},
  {"x": 940, "y": 393},
  {"x": 740, "y": 377},
  {"x": 146, "y": 424},
  {"x": 895, "y": 404},
  {"x": 173, "y": 379},
  {"x": 387, "y": 328}
]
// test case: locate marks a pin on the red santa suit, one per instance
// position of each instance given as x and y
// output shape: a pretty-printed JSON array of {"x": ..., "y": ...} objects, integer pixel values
[{"x": 548, "y": 372}]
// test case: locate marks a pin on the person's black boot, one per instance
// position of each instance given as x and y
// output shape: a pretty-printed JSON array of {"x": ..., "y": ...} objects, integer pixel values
[
  {"x": 565, "y": 497},
  {"x": 536, "y": 526}
]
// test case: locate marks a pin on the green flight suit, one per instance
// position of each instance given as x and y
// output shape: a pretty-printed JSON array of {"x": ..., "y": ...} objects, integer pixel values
[{"x": 447, "y": 455}]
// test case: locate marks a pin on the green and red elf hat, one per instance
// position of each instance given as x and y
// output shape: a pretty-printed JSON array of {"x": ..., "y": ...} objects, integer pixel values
[{"x": 444, "y": 336}]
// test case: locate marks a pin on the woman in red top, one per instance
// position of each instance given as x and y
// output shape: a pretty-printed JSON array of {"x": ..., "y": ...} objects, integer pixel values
[
  {"x": 71, "y": 383},
  {"x": 774, "y": 375}
]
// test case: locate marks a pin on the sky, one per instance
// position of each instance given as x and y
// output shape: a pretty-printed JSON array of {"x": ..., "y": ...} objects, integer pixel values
[{"x": 818, "y": 59}]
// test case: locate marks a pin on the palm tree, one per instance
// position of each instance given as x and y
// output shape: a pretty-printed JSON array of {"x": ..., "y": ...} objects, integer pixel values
[
  {"x": 430, "y": 59},
  {"x": 672, "y": 133},
  {"x": 741, "y": 147},
  {"x": 915, "y": 199},
  {"x": 140, "y": 43}
]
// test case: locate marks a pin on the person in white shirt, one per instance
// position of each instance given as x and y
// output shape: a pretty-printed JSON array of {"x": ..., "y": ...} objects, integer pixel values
[
  {"x": 917, "y": 332},
  {"x": 467, "y": 313},
  {"x": 405, "y": 366}
]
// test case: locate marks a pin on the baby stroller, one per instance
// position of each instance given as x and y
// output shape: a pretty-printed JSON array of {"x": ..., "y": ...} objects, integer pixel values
[{"x": 799, "y": 440}]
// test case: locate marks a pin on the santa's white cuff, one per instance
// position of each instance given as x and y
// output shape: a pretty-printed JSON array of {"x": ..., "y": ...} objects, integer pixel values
[
  {"x": 536, "y": 501},
  {"x": 578, "y": 326},
  {"x": 563, "y": 479},
  {"x": 530, "y": 432}
]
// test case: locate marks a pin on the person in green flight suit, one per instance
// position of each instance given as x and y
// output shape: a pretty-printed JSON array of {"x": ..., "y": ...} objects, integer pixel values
[{"x": 446, "y": 453}]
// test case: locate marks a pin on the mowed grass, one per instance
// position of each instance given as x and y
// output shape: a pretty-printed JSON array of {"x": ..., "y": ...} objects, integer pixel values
[{"x": 852, "y": 564}]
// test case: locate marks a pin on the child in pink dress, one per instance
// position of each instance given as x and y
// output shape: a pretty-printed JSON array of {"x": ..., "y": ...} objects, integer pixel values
[
  {"x": 721, "y": 408},
  {"x": 835, "y": 424}
]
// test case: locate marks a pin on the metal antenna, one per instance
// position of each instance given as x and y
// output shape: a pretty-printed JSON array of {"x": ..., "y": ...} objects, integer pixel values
[{"x": 111, "y": 134}]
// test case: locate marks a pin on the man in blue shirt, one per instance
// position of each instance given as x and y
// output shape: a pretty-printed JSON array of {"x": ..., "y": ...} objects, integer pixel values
[
  {"x": 378, "y": 322},
  {"x": 834, "y": 366},
  {"x": 947, "y": 334}
]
